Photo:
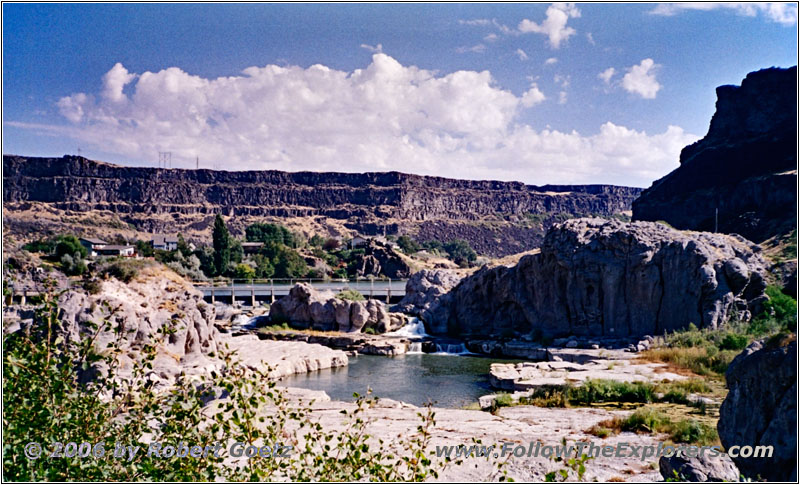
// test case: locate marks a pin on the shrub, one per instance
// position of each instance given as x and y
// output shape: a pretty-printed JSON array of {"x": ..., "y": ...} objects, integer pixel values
[
  {"x": 93, "y": 287},
  {"x": 408, "y": 245},
  {"x": 49, "y": 397},
  {"x": 316, "y": 241},
  {"x": 601, "y": 390},
  {"x": 73, "y": 265},
  {"x": 734, "y": 341},
  {"x": 645, "y": 419},
  {"x": 124, "y": 270},
  {"x": 330, "y": 244},
  {"x": 244, "y": 272},
  {"x": 460, "y": 252},
  {"x": 693, "y": 431},
  {"x": 351, "y": 295},
  {"x": 69, "y": 245}
]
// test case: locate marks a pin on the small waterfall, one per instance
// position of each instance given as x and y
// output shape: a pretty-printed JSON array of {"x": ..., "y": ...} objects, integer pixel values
[
  {"x": 452, "y": 349},
  {"x": 243, "y": 322},
  {"x": 415, "y": 328},
  {"x": 414, "y": 348}
]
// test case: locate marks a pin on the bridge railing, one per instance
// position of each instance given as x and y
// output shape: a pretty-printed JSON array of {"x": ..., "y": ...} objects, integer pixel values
[{"x": 227, "y": 282}]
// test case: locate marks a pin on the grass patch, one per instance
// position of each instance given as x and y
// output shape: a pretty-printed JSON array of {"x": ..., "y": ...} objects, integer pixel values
[
  {"x": 648, "y": 420},
  {"x": 350, "y": 295}
]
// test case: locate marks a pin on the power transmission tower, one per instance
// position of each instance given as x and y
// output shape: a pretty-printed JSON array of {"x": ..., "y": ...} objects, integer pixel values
[
  {"x": 197, "y": 163},
  {"x": 164, "y": 159}
]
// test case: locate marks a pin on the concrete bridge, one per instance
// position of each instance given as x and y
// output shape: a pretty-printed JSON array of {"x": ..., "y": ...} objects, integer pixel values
[{"x": 253, "y": 292}]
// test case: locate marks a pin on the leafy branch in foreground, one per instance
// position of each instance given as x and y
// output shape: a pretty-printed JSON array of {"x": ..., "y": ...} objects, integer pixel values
[{"x": 60, "y": 388}]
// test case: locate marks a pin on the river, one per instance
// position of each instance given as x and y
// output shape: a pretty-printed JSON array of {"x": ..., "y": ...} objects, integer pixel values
[{"x": 445, "y": 380}]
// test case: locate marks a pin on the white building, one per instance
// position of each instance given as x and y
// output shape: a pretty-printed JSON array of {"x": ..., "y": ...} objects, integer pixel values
[{"x": 164, "y": 242}]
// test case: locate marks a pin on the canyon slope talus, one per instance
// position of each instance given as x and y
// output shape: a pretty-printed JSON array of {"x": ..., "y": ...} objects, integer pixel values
[
  {"x": 744, "y": 172},
  {"x": 497, "y": 218}
]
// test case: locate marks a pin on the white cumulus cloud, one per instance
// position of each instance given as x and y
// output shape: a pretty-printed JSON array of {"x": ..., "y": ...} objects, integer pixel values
[
  {"x": 386, "y": 116},
  {"x": 551, "y": 60},
  {"x": 522, "y": 55},
  {"x": 532, "y": 96},
  {"x": 641, "y": 79},
  {"x": 554, "y": 25},
  {"x": 607, "y": 75},
  {"x": 782, "y": 13},
  {"x": 373, "y": 48}
]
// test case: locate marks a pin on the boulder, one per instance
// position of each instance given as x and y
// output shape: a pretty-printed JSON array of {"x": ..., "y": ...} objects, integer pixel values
[
  {"x": 761, "y": 409},
  {"x": 595, "y": 277},
  {"x": 423, "y": 291},
  {"x": 306, "y": 307},
  {"x": 703, "y": 468}
]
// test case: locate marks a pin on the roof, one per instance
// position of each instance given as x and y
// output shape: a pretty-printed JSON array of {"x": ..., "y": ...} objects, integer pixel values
[
  {"x": 92, "y": 240},
  {"x": 164, "y": 239},
  {"x": 252, "y": 244}
]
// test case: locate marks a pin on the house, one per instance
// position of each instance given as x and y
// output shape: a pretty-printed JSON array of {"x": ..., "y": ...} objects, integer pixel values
[
  {"x": 164, "y": 242},
  {"x": 127, "y": 251},
  {"x": 252, "y": 247},
  {"x": 357, "y": 242},
  {"x": 93, "y": 245}
]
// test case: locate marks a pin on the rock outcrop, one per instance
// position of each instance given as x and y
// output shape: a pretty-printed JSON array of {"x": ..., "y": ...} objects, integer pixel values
[
  {"x": 761, "y": 409},
  {"x": 607, "y": 278},
  {"x": 423, "y": 291},
  {"x": 745, "y": 168},
  {"x": 306, "y": 307},
  {"x": 701, "y": 468},
  {"x": 381, "y": 259},
  {"x": 160, "y": 308},
  {"x": 170, "y": 200}
]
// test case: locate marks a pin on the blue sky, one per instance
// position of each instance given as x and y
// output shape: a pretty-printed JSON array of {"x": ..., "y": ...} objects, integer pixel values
[{"x": 542, "y": 93}]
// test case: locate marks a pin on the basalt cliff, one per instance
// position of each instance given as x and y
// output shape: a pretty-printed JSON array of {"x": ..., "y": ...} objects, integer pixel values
[
  {"x": 742, "y": 176},
  {"x": 498, "y": 218}
]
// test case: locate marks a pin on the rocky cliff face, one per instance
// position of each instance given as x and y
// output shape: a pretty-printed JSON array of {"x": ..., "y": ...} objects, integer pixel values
[
  {"x": 761, "y": 409},
  {"x": 745, "y": 168},
  {"x": 170, "y": 200},
  {"x": 606, "y": 278}
]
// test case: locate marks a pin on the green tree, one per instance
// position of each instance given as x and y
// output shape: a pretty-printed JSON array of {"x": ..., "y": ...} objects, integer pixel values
[
  {"x": 183, "y": 247},
  {"x": 244, "y": 272},
  {"x": 460, "y": 252},
  {"x": 316, "y": 240},
  {"x": 206, "y": 256},
  {"x": 237, "y": 252},
  {"x": 408, "y": 245},
  {"x": 264, "y": 267},
  {"x": 270, "y": 233},
  {"x": 144, "y": 249},
  {"x": 330, "y": 244},
  {"x": 289, "y": 264},
  {"x": 222, "y": 245},
  {"x": 69, "y": 245}
]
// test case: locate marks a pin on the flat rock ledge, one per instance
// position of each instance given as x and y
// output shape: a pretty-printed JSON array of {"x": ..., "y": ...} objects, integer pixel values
[
  {"x": 349, "y": 342},
  {"x": 583, "y": 365},
  {"x": 285, "y": 358}
]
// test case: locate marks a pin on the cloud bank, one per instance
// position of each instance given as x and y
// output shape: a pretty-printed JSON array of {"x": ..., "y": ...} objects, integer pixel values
[
  {"x": 782, "y": 13},
  {"x": 384, "y": 117}
]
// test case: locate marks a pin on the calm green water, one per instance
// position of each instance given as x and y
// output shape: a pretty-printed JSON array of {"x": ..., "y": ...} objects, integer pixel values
[{"x": 446, "y": 380}]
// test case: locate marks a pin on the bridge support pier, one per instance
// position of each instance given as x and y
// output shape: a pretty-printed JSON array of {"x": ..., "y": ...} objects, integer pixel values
[
  {"x": 213, "y": 300},
  {"x": 253, "y": 296},
  {"x": 389, "y": 294}
]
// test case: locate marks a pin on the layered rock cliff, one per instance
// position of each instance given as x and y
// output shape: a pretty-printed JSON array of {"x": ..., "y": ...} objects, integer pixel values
[
  {"x": 744, "y": 172},
  {"x": 496, "y": 217},
  {"x": 606, "y": 278}
]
